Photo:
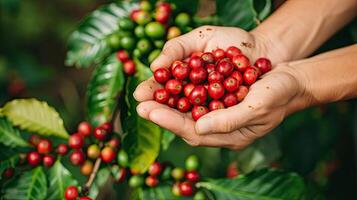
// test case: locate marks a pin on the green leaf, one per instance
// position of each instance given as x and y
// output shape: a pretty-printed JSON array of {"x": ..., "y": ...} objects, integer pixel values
[
  {"x": 10, "y": 136},
  {"x": 167, "y": 138},
  {"x": 161, "y": 192},
  {"x": 32, "y": 185},
  {"x": 241, "y": 13},
  {"x": 59, "y": 178},
  {"x": 35, "y": 116},
  {"x": 265, "y": 184},
  {"x": 105, "y": 85},
  {"x": 87, "y": 45},
  {"x": 8, "y": 162},
  {"x": 143, "y": 138},
  {"x": 101, "y": 178}
]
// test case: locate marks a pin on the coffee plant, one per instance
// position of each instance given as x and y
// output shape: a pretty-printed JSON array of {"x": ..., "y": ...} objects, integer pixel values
[{"x": 40, "y": 159}]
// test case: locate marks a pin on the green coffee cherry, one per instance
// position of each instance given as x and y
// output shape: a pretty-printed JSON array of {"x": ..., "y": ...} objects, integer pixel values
[
  {"x": 200, "y": 195},
  {"x": 139, "y": 31},
  {"x": 145, "y": 5},
  {"x": 126, "y": 24},
  {"x": 178, "y": 173},
  {"x": 159, "y": 44},
  {"x": 144, "y": 46},
  {"x": 136, "y": 181},
  {"x": 155, "y": 30},
  {"x": 123, "y": 159},
  {"x": 128, "y": 43},
  {"x": 192, "y": 163},
  {"x": 153, "y": 55},
  {"x": 183, "y": 19},
  {"x": 114, "y": 41}
]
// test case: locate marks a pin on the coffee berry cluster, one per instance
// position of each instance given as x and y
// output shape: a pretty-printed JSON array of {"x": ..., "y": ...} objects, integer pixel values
[
  {"x": 143, "y": 34},
  {"x": 208, "y": 81}
]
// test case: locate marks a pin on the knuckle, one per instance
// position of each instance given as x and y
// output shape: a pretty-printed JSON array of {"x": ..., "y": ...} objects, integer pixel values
[{"x": 192, "y": 142}]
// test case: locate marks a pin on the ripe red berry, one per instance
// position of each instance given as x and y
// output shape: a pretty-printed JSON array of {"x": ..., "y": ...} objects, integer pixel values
[
  {"x": 208, "y": 57},
  {"x": 192, "y": 176},
  {"x": 225, "y": 67},
  {"x": 77, "y": 157},
  {"x": 231, "y": 84},
  {"x": 196, "y": 54},
  {"x": 44, "y": 146},
  {"x": 181, "y": 71},
  {"x": 34, "y": 158},
  {"x": 183, "y": 104},
  {"x": 215, "y": 105},
  {"x": 198, "y": 95},
  {"x": 216, "y": 90},
  {"x": 174, "y": 86},
  {"x": 188, "y": 89},
  {"x": 215, "y": 77},
  {"x": 114, "y": 143},
  {"x": 62, "y": 149},
  {"x": 263, "y": 64},
  {"x": 186, "y": 189},
  {"x": 100, "y": 133},
  {"x": 107, "y": 126},
  {"x": 76, "y": 141},
  {"x": 133, "y": 14},
  {"x": 129, "y": 67},
  {"x": 172, "y": 102},
  {"x": 84, "y": 128},
  {"x": 218, "y": 54},
  {"x": 195, "y": 62},
  {"x": 230, "y": 100},
  {"x": 162, "y": 75},
  {"x": 151, "y": 181},
  {"x": 241, "y": 62},
  {"x": 155, "y": 169},
  {"x": 123, "y": 55},
  {"x": 48, "y": 160},
  {"x": 210, "y": 68},
  {"x": 259, "y": 72},
  {"x": 250, "y": 76},
  {"x": 161, "y": 96},
  {"x": 34, "y": 140},
  {"x": 238, "y": 76},
  {"x": 175, "y": 64},
  {"x": 242, "y": 92},
  {"x": 107, "y": 154},
  {"x": 232, "y": 51},
  {"x": 87, "y": 168},
  {"x": 121, "y": 175},
  {"x": 8, "y": 172},
  {"x": 71, "y": 193},
  {"x": 198, "y": 75},
  {"x": 198, "y": 111},
  {"x": 162, "y": 16}
]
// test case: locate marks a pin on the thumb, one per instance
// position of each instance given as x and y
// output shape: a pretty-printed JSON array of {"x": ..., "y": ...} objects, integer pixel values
[
  {"x": 178, "y": 49},
  {"x": 224, "y": 120}
]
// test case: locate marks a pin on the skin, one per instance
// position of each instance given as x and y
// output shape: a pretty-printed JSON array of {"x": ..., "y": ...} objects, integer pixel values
[{"x": 291, "y": 85}]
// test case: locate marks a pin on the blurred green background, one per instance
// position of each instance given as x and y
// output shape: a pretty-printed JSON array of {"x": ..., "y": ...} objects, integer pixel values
[{"x": 318, "y": 143}]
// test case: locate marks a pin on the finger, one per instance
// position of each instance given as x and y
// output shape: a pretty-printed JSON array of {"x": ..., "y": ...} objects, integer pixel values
[
  {"x": 225, "y": 120},
  {"x": 179, "y": 48},
  {"x": 145, "y": 90},
  {"x": 144, "y": 108}
]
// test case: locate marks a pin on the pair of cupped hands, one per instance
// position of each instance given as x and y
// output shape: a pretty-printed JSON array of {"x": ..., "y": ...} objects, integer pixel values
[{"x": 268, "y": 102}]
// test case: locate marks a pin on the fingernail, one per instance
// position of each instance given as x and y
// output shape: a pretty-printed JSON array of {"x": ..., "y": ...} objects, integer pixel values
[{"x": 204, "y": 126}]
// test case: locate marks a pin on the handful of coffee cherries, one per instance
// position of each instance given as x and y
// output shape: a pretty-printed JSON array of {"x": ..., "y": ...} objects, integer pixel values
[{"x": 208, "y": 81}]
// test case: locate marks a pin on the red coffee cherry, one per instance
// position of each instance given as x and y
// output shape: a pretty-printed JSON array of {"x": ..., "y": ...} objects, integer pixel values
[
  {"x": 198, "y": 111},
  {"x": 241, "y": 62},
  {"x": 155, "y": 169},
  {"x": 34, "y": 158},
  {"x": 231, "y": 84},
  {"x": 48, "y": 160},
  {"x": 172, "y": 102},
  {"x": 183, "y": 104},
  {"x": 100, "y": 133},
  {"x": 87, "y": 168},
  {"x": 34, "y": 140},
  {"x": 161, "y": 95},
  {"x": 121, "y": 175},
  {"x": 215, "y": 77},
  {"x": 181, "y": 71},
  {"x": 208, "y": 58},
  {"x": 151, "y": 181},
  {"x": 107, "y": 126},
  {"x": 162, "y": 75},
  {"x": 107, "y": 154},
  {"x": 76, "y": 141},
  {"x": 198, "y": 75},
  {"x": 238, "y": 76},
  {"x": 216, "y": 90},
  {"x": 8, "y": 172},
  {"x": 129, "y": 67},
  {"x": 196, "y": 62},
  {"x": 188, "y": 89},
  {"x": 123, "y": 55},
  {"x": 230, "y": 100},
  {"x": 219, "y": 54},
  {"x": 62, "y": 149},
  {"x": 175, "y": 64},
  {"x": 114, "y": 143},
  {"x": 210, "y": 68},
  {"x": 196, "y": 54},
  {"x": 198, "y": 95},
  {"x": 71, "y": 193},
  {"x": 263, "y": 64},
  {"x": 186, "y": 189},
  {"x": 250, "y": 76},
  {"x": 192, "y": 176},
  {"x": 225, "y": 67},
  {"x": 215, "y": 105},
  {"x": 242, "y": 92},
  {"x": 77, "y": 157},
  {"x": 84, "y": 128},
  {"x": 44, "y": 146},
  {"x": 174, "y": 86},
  {"x": 232, "y": 51}
]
